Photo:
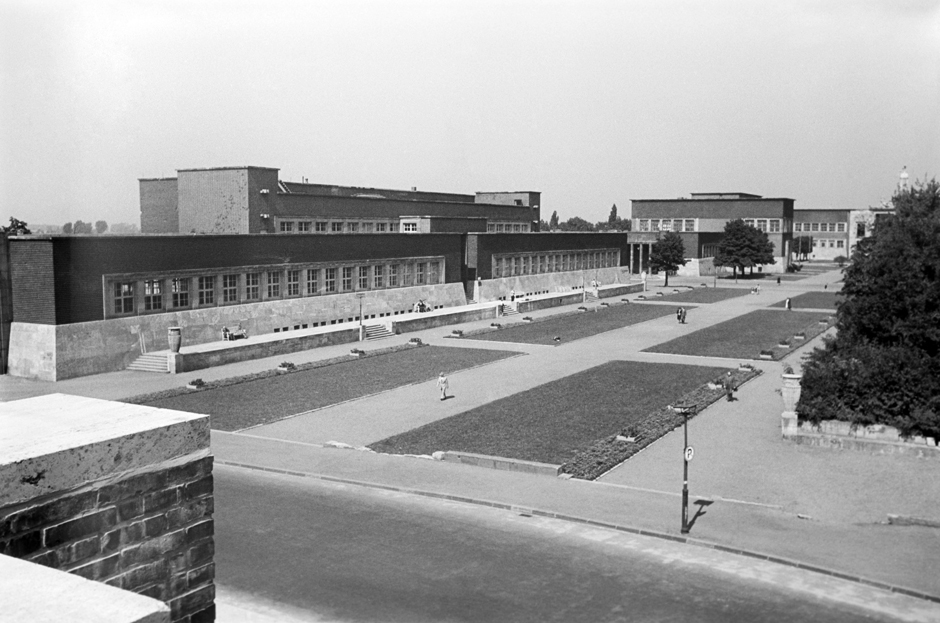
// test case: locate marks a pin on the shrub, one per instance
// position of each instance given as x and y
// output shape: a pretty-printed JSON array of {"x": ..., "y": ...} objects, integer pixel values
[
  {"x": 197, "y": 383},
  {"x": 287, "y": 365},
  {"x": 840, "y": 260}
]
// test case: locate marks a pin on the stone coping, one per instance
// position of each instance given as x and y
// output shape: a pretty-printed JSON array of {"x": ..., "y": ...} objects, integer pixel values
[
  {"x": 58, "y": 442},
  {"x": 32, "y": 592}
]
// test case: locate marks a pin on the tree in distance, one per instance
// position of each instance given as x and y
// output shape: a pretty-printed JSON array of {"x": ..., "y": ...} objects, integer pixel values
[
  {"x": 883, "y": 364},
  {"x": 744, "y": 246},
  {"x": 81, "y": 227},
  {"x": 803, "y": 246},
  {"x": 67, "y": 228},
  {"x": 668, "y": 254},
  {"x": 15, "y": 228},
  {"x": 101, "y": 227},
  {"x": 553, "y": 221},
  {"x": 576, "y": 223}
]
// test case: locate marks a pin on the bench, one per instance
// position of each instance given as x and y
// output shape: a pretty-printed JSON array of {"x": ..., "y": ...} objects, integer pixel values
[{"x": 236, "y": 333}]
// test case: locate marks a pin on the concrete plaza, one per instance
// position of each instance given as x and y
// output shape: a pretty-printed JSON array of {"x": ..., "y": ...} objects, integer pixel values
[{"x": 761, "y": 494}]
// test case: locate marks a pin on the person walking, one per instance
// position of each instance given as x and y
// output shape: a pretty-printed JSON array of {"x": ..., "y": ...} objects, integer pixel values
[
  {"x": 729, "y": 386},
  {"x": 682, "y": 319},
  {"x": 679, "y": 314},
  {"x": 778, "y": 281},
  {"x": 787, "y": 305},
  {"x": 442, "y": 385}
]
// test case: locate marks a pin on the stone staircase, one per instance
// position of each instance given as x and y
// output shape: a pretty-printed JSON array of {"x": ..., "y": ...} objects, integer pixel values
[
  {"x": 507, "y": 310},
  {"x": 150, "y": 362},
  {"x": 589, "y": 297},
  {"x": 377, "y": 332}
]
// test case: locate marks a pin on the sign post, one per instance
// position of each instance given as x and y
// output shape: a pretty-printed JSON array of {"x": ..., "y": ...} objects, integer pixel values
[{"x": 687, "y": 454}]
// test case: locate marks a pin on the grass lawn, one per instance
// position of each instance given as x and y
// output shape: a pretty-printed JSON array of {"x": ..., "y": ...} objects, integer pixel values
[
  {"x": 814, "y": 300},
  {"x": 698, "y": 295},
  {"x": 554, "y": 422},
  {"x": 575, "y": 326},
  {"x": 743, "y": 337},
  {"x": 269, "y": 399}
]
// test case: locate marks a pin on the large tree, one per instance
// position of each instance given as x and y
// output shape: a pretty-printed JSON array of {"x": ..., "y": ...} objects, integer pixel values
[
  {"x": 81, "y": 227},
  {"x": 67, "y": 228},
  {"x": 883, "y": 365},
  {"x": 15, "y": 228},
  {"x": 576, "y": 223},
  {"x": 668, "y": 254},
  {"x": 101, "y": 227},
  {"x": 744, "y": 246},
  {"x": 612, "y": 218},
  {"x": 802, "y": 246},
  {"x": 553, "y": 221}
]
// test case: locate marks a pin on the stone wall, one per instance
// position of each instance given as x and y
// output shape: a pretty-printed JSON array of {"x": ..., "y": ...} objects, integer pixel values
[
  {"x": 875, "y": 439},
  {"x": 116, "y": 493}
]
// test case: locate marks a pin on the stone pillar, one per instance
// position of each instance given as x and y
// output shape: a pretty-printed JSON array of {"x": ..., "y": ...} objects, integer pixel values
[
  {"x": 789, "y": 424},
  {"x": 117, "y": 493}
]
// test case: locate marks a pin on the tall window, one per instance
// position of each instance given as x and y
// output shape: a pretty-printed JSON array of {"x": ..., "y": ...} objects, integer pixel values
[
  {"x": 252, "y": 286},
  {"x": 364, "y": 277},
  {"x": 393, "y": 276},
  {"x": 329, "y": 280},
  {"x": 320, "y": 227},
  {"x": 815, "y": 226},
  {"x": 336, "y": 228},
  {"x": 775, "y": 226},
  {"x": 381, "y": 227},
  {"x": 797, "y": 226},
  {"x": 654, "y": 224},
  {"x": 179, "y": 288},
  {"x": 762, "y": 224},
  {"x": 293, "y": 282},
  {"x": 206, "y": 290},
  {"x": 229, "y": 288},
  {"x": 407, "y": 273},
  {"x": 420, "y": 273},
  {"x": 352, "y": 227},
  {"x": 153, "y": 295},
  {"x": 313, "y": 277},
  {"x": 644, "y": 224},
  {"x": 434, "y": 268},
  {"x": 303, "y": 227},
  {"x": 690, "y": 224},
  {"x": 347, "y": 278},
  {"x": 274, "y": 284},
  {"x": 666, "y": 225},
  {"x": 840, "y": 227},
  {"x": 124, "y": 297},
  {"x": 378, "y": 277},
  {"x": 287, "y": 227}
]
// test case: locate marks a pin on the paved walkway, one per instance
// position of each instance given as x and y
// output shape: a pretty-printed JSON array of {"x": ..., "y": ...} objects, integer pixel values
[{"x": 758, "y": 484}]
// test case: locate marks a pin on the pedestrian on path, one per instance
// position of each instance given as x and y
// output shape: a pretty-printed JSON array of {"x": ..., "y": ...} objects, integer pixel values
[
  {"x": 787, "y": 305},
  {"x": 682, "y": 318},
  {"x": 679, "y": 311},
  {"x": 778, "y": 281},
  {"x": 442, "y": 385},
  {"x": 729, "y": 386}
]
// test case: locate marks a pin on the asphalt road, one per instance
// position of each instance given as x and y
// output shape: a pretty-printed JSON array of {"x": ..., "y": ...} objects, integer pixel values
[{"x": 323, "y": 551}]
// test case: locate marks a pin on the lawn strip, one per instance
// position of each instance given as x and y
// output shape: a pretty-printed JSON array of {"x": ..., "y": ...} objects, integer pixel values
[
  {"x": 558, "y": 421},
  {"x": 814, "y": 300},
  {"x": 268, "y": 396},
  {"x": 703, "y": 295},
  {"x": 747, "y": 336}
]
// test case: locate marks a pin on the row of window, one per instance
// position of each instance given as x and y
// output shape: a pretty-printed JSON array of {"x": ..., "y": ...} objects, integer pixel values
[
  {"x": 770, "y": 225},
  {"x": 534, "y": 263},
  {"x": 837, "y": 227},
  {"x": 187, "y": 292},
  {"x": 667, "y": 224},
  {"x": 336, "y": 227},
  {"x": 832, "y": 244},
  {"x": 507, "y": 227}
]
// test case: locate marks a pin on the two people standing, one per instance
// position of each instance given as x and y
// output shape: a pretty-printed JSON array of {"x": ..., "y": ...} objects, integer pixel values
[{"x": 680, "y": 315}]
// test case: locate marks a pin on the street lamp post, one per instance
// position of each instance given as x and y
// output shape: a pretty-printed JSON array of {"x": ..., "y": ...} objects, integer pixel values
[
  {"x": 360, "y": 296},
  {"x": 687, "y": 453}
]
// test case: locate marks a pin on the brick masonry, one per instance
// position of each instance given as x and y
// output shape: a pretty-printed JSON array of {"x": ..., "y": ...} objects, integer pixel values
[{"x": 150, "y": 533}]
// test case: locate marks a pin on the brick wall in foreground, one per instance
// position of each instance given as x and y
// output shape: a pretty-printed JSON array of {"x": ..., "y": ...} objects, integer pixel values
[{"x": 150, "y": 533}]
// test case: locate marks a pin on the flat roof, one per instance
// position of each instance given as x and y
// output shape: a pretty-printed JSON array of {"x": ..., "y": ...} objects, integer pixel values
[{"x": 247, "y": 166}]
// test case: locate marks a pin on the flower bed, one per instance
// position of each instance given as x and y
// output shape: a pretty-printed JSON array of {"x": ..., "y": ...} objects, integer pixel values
[{"x": 607, "y": 453}]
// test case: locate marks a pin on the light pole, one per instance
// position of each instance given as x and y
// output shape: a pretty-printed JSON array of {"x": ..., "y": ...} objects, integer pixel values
[
  {"x": 360, "y": 296},
  {"x": 687, "y": 453}
]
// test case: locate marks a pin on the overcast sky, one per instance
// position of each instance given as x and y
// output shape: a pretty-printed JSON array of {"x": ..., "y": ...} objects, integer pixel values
[{"x": 591, "y": 103}]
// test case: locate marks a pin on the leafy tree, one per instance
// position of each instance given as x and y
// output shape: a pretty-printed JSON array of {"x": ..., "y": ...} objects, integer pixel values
[
  {"x": 124, "y": 228},
  {"x": 744, "y": 246},
  {"x": 668, "y": 254},
  {"x": 67, "y": 228},
  {"x": 612, "y": 219},
  {"x": 553, "y": 221},
  {"x": 15, "y": 228},
  {"x": 576, "y": 223},
  {"x": 803, "y": 246},
  {"x": 81, "y": 227},
  {"x": 101, "y": 227},
  {"x": 883, "y": 365}
]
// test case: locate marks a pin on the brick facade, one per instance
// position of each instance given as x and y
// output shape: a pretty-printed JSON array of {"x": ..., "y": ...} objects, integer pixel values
[
  {"x": 149, "y": 533},
  {"x": 32, "y": 279}
]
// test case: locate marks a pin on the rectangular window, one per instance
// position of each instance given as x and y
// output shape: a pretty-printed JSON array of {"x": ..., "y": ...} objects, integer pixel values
[
  {"x": 274, "y": 284},
  {"x": 420, "y": 273},
  {"x": 690, "y": 224},
  {"x": 352, "y": 227},
  {"x": 775, "y": 226},
  {"x": 762, "y": 224},
  {"x": 313, "y": 277},
  {"x": 320, "y": 227},
  {"x": 347, "y": 278},
  {"x": 336, "y": 228},
  {"x": 654, "y": 224},
  {"x": 252, "y": 286},
  {"x": 644, "y": 224},
  {"x": 329, "y": 280},
  {"x": 368, "y": 228},
  {"x": 393, "y": 276},
  {"x": 516, "y": 227},
  {"x": 409, "y": 227},
  {"x": 206, "y": 290},
  {"x": 364, "y": 277},
  {"x": 153, "y": 295},
  {"x": 179, "y": 288},
  {"x": 229, "y": 288},
  {"x": 749, "y": 222},
  {"x": 303, "y": 227},
  {"x": 124, "y": 297},
  {"x": 287, "y": 227},
  {"x": 491, "y": 227},
  {"x": 832, "y": 226},
  {"x": 434, "y": 270},
  {"x": 666, "y": 225},
  {"x": 407, "y": 275},
  {"x": 797, "y": 226},
  {"x": 840, "y": 244},
  {"x": 381, "y": 227},
  {"x": 378, "y": 276},
  {"x": 840, "y": 227},
  {"x": 293, "y": 283},
  {"x": 815, "y": 227}
]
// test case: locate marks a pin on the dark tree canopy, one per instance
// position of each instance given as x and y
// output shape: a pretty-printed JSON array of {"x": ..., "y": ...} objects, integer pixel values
[
  {"x": 81, "y": 227},
  {"x": 612, "y": 219},
  {"x": 101, "y": 227},
  {"x": 744, "y": 246},
  {"x": 553, "y": 221},
  {"x": 803, "y": 246},
  {"x": 883, "y": 365},
  {"x": 15, "y": 228},
  {"x": 67, "y": 228},
  {"x": 668, "y": 254},
  {"x": 576, "y": 223}
]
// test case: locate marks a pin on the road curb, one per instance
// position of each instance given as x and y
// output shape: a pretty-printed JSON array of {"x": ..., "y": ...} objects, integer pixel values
[{"x": 601, "y": 524}]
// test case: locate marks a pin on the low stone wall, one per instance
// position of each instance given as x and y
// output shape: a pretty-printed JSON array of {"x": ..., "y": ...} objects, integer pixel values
[
  {"x": 530, "y": 305},
  {"x": 494, "y": 289},
  {"x": 111, "y": 492},
  {"x": 498, "y": 462},
  {"x": 440, "y": 318},
  {"x": 606, "y": 292},
  {"x": 877, "y": 439},
  {"x": 240, "y": 350}
]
